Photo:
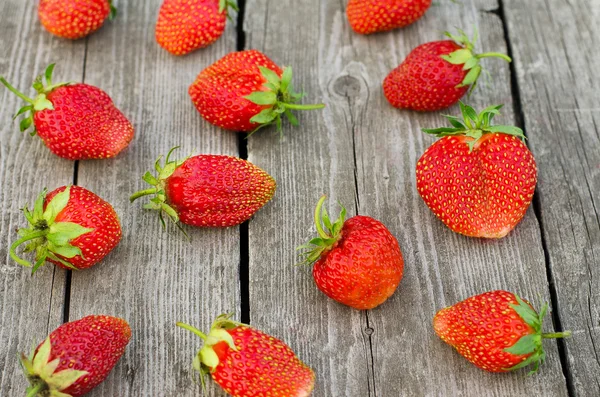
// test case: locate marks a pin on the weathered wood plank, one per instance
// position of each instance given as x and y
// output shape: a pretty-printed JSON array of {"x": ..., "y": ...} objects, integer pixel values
[
  {"x": 30, "y": 306},
  {"x": 155, "y": 278},
  {"x": 555, "y": 46},
  {"x": 441, "y": 267}
]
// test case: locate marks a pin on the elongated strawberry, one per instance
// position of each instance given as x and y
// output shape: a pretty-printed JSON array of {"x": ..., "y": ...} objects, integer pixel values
[
  {"x": 245, "y": 91},
  {"x": 356, "y": 262},
  {"x": 497, "y": 331},
  {"x": 75, "y": 121},
  {"x": 479, "y": 178},
  {"x": 71, "y": 227},
  {"x": 208, "y": 190},
  {"x": 436, "y": 75},
  {"x": 184, "y": 26},
  {"x": 76, "y": 357},
  {"x": 246, "y": 362},
  {"x": 74, "y": 19},
  {"x": 370, "y": 16}
]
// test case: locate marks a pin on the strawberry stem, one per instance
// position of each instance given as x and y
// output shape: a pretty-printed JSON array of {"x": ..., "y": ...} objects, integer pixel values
[
  {"x": 294, "y": 106},
  {"x": 15, "y": 91},
  {"x": 494, "y": 55},
  {"x": 318, "y": 224},
  {"x": 33, "y": 391},
  {"x": 556, "y": 335},
  {"x": 28, "y": 237},
  {"x": 142, "y": 193},
  {"x": 192, "y": 329}
]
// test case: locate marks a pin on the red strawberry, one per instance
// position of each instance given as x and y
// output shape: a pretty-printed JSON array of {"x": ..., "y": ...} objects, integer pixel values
[
  {"x": 75, "y": 121},
  {"x": 370, "y": 16},
  {"x": 246, "y": 362},
  {"x": 186, "y": 25},
  {"x": 436, "y": 75},
  {"x": 245, "y": 91},
  {"x": 70, "y": 227},
  {"x": 76, "y": 357},
  {"x": 74, "y": 19},
  {"x": 208, "y": 190},
  {"x": 497, "y": 331},
  {"x": 478, "y": 179},
  {"x": 357, "y": 262}
]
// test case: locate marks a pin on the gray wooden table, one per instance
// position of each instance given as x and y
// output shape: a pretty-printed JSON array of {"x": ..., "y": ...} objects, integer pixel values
[{"x": 359, "y": 150}]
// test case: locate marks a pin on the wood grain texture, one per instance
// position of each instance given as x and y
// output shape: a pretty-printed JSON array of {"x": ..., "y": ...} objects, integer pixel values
[
  {"x": 29, "y": 306},
  {"x": 360, "y": 136},
  {"x": 559, "y": 85},
  {"x": 155, "y": 277}
]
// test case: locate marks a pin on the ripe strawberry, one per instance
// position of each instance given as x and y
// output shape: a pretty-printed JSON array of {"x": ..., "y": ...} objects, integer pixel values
[
  {"x": 76, "y": 357},
  {"x": 75, "y": 121},
  {"x": 357, "y": 262},
  {"x": 208, "y": 190},
  {"x": 74, "y": 19},
  {"x": 246, "y": 362},
  {"x": 478, "y": 179},
  {"x": 436, "y": 75},
  {"x": 497, "y": 331},
  {"x": 370, "y": 16},
  {"x": 186, "y": 25},
  {"x": 70, "y": 227},
  {"x": 245, "y": 91}
]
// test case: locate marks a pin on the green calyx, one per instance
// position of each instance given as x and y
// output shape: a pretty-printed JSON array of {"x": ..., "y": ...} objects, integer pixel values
[
  {"x": 48, "y": 238},
  {"x": 206, "y": 360},
  {"x": 469, "y": 59},
  {"x": 41, "y": 373},
  {"x": 474, "y": 125},
  {"x": 279, "y": 97},
  {"x": 329, "y": 234},
  {"x": 37, "y": 104},
  {"x": 113, "y": 10},
  {"x": 225, "y": 5},
  {"x": 159, "y": 201},
  {"x": 532, "y": 343}
]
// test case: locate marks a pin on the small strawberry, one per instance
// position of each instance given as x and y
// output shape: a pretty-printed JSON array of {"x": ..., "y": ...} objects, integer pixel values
[
  {"x": 75, "y": 121},
  {"x": 246, "y": 362},
  {"x": 76, "y": 357},
  {"x": 245, "y": 91},
  {"x": 497, "y": 331},
  {"x": 71, "y": 227},
  {"x": 478, "y": 179},
  {"x": 436, "y": 75},
  {"x": 356, "y": 262},
  {"x": 184, "y": 26},
  {"x": 208, "y": 190},
  {"x": 74, "y": 19},
  {"x": 370, "y": 16}
]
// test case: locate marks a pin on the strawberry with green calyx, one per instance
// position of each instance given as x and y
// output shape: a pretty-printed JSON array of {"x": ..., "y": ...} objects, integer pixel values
[
  {"x": 497, "y": 331},
  {"x": 437, "y": 74},
  {"x": 75, "y": 121},
  {"x": 479, "y": 179},
  {"x": 357, "y": 262},
  {"x": 207, "y": 190},
  {"x": 76, "y": 357},
  {"x": 75, "y": 19},
  {"x": 245, "y": 91},
  {"x": 70, "y": 227},
  {"x": 246, "y": 362}
]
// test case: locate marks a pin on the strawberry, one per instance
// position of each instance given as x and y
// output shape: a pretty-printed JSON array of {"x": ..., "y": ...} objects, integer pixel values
[
  {"x": 76, "y": 357},
  {"x": 497, "y": 331},
  {"x": 478, "y": 179},
  {"x": 75, "y": 121},
  {"x": 370, "y": 16},
  {"x": 71, "y": 227},
  {"x": 184, "y": 26},
  {"x": 208, "y": 190},
  {"x": 245, "y": 91},
  {"x": 74, "y": 19},
  {"x": 356, "y": 262},
  {"x": 246, "y": 362},
  {"x": 436, "y": 75}
]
